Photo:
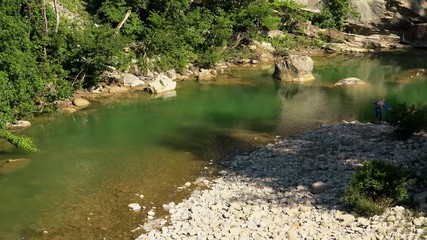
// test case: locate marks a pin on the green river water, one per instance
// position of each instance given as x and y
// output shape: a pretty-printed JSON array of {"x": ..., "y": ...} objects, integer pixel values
[{"x": 95, "y": 162}]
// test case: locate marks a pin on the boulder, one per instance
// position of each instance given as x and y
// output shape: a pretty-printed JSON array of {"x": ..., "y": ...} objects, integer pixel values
[
  {"x": 161, "y": 83},
  {"x": 294, "y": 68},
  {"x": 318, "y": 187},
  {"x": 80, "y": 102},
  {"x": 351, "y": 81},
  {"x": 416, "y": 35},
  {"x": 206, "y": 74},
  {"x": 134, "y": 207},
  {"x": 130, "y": 80},
  {"x": 275, "y": 34},
  {"x": 117, "y": 89},
  {"x": 19, "y": 124},
  {"x": 267, "y": 47},
  {"x": 171, "y": 74}
]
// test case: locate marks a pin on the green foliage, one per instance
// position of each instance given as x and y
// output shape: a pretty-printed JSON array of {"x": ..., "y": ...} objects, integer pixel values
[
  {"x": 18, "y": 141},
  {"x": 256, "y": 18},
  {"x": 290, "y": 41},
  {"x": 334, "y": 13},
  {"x": 375, "y": 186},
  {"x": 408, "y": 120},
  {"x": 292, "y": 16}
]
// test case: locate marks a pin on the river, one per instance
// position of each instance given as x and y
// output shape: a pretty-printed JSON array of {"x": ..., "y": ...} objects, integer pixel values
[{"x": 95, "y": 162}]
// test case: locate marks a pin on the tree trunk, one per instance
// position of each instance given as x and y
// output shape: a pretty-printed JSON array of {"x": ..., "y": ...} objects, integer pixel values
[
  {"x": 46, "y": 26},
  {"x": 55, "y": 5},
  {"x": 124, "y": 20}
]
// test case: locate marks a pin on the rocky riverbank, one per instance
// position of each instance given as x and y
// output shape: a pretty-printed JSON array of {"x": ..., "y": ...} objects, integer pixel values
[{"x": 269, "y": 193}]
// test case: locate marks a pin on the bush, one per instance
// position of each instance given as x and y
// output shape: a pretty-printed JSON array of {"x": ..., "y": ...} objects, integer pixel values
[
  {"x": 376, "y": 186},
  {"x": 25, "y": 143},
  {"x": 409, "y": 120},
  {"x": 334, "y": 13}
]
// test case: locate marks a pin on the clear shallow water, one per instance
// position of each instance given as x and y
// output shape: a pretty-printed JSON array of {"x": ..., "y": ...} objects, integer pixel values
[{"x": 93, "y": 163}]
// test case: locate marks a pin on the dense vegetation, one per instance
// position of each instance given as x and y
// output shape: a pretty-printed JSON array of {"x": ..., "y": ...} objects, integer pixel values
[
  {"x": 409, "y": 120},
  {"x": 46, "y": 54},
  {"x": 375, "y": 186}
]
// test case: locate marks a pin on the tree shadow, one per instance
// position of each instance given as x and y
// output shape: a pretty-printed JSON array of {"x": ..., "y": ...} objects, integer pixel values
[{"x": 288, "y": 169}]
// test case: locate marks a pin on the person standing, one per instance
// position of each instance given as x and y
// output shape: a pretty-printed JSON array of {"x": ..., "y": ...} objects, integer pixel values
[{"x": 379, "y": 106}]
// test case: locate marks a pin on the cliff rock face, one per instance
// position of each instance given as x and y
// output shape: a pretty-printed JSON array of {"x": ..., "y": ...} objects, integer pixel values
[
  {"x": 380, "y": 16},
  {"x": 416, "y": 35}
]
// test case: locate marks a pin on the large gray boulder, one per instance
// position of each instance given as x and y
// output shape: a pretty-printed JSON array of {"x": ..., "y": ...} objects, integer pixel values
[
  {"x": 416, "y": 35},
  {"x": 160, "y": 84},
  {"x": 294, "y": 68}
]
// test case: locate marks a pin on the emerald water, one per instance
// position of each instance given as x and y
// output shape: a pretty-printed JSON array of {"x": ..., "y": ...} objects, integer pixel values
[{"x": 95, "y": 162}]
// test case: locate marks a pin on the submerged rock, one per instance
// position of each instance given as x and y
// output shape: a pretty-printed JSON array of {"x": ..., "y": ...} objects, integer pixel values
[
  {"x": 351, "y": 81},
  {"x": 409, "y": 75},
  {"x": 130, "y": 80},
  {"x": 12, "y": 165},
  {"x": 68, "y": 109}
]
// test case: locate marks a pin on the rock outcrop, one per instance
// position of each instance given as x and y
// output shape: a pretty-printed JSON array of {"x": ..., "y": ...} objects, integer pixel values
[
  {"x": 294, "y": 68},
  {"x": 130, "y": 80},
  {"x": 416, "y": 35},
  {"x": 161, "y": 83},
  {"x": 381, "y": 16}
]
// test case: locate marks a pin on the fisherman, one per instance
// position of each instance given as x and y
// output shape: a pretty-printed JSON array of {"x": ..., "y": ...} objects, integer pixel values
[{"x": 379, "y": 105}]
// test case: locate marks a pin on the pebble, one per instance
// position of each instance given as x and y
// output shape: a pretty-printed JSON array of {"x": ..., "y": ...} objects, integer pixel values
[{"x": 269, "y": 193}]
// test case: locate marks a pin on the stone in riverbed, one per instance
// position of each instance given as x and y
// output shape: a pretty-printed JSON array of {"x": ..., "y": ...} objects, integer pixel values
[
  {"x": 318, "y": 187},
  {"x": 134, "y": 207}
]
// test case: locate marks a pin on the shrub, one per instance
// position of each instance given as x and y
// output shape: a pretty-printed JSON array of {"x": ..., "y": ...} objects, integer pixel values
[
  {"x": 25, "y": 143},
  {"x": 375, "y": 186},
  {"x": 334, "y": 13},
  {"x": 409, "y": 120}
]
